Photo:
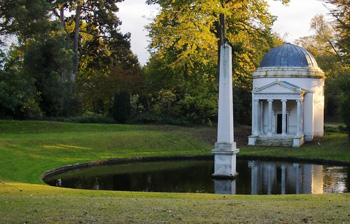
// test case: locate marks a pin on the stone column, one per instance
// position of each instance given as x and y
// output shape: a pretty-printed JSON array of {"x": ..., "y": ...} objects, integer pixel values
[
  {"x": 261, "y": 123},
  {"x": 299, "y": 113},
  {"x": 302, "y": 116},
  {"x": 256, "y": 118},
  {"x": 225, "y": 148},
  {"x": 284, "y": 116},
  {"x": 269, "y": 129}
]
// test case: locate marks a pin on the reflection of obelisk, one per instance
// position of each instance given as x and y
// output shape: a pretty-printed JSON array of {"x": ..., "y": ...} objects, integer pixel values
[{"x": 225, "y": 148}]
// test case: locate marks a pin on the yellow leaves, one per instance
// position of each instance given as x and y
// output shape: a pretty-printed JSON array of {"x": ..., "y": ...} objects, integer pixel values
[{"x": 187, "y": 31}]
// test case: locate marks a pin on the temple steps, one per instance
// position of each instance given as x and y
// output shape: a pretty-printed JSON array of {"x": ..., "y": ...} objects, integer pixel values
[{"x": 274, "y": 141}]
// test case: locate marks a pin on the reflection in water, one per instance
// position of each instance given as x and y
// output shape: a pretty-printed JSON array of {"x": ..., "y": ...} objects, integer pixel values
[
  {"x": 225, "y": 186},
  {"x": 295, "y": 178},
  {"x": 255, "y": 177}
]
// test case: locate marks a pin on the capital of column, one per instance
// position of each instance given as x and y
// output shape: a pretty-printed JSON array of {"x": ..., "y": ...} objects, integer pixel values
[
  {"x": 283, "y": 100},
  {"x": 269, "y": 100}
]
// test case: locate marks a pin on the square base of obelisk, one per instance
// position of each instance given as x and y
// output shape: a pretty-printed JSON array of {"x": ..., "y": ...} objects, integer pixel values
[{"x": 225, "y": 161}]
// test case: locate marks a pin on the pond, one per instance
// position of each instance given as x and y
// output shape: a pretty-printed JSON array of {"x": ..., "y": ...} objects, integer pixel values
[{"x": 255, "y": 177}]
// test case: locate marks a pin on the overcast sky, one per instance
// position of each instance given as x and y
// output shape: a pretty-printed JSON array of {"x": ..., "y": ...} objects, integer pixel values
[{"x": 293, "y": 21}]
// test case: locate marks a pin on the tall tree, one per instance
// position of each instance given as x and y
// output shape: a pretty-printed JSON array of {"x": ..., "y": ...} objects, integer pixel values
[
  {"x": 87, "y": 25},
  {"x": 25, "y": 19},
  {"x": 184, "y": 39},
  {"x": 39, "y": 53},
  {"x": 340, "y": 10},
  {"x": 18, "y": 96},
  {"x": 67, "y": 38},
  {"x": 322, "y": 45},
  {"x": 91, "y": 31}
]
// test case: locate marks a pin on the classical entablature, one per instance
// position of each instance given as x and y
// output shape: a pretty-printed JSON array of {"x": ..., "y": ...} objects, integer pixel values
[{"x": 279, "y": 90}]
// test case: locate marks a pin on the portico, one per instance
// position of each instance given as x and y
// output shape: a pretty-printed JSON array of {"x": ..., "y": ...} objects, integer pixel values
[{"x": 278, "y": 115}]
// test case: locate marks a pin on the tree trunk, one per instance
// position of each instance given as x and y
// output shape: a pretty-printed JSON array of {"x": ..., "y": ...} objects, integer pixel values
[
  {"x": 76, "y": 44},
  {"x": 64, "y": 32}
]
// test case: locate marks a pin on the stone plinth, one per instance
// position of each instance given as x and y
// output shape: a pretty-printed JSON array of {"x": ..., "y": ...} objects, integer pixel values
[{"x": 224, "y": 164}]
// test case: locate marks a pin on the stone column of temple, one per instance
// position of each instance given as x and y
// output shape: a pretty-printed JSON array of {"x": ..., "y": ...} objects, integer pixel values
[
  {"x": 284, "y": 116},
  {"x": 269, "y": 130},
  {"x": 299, "y": 117},
  {"x": 302, "y": 116},
  {"x": 256, "y": 118},
  {"x": 261, "y": 117}
]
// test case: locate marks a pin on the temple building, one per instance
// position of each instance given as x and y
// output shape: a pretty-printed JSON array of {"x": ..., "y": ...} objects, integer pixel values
[{"x": 287, "y": 98}]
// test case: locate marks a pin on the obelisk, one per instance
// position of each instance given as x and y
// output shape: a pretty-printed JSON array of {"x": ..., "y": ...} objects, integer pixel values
[{"x": 225, "y": 148}]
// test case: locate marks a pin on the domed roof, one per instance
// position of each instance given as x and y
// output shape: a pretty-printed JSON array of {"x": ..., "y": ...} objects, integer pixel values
[
  {"x": 288, "y": 55},
  {"x": 288, "y": 61}
]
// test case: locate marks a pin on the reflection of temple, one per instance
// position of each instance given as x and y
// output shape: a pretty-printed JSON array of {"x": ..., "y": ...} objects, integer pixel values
[{"x": 294, "y": 178}]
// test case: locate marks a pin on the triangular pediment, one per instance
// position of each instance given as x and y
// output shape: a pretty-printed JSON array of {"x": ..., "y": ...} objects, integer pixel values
[{"x": 280, "y": 87}]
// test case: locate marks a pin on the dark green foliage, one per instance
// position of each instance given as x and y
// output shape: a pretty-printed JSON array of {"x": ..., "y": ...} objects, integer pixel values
[
  {"x": 242, "y": 106},
  {"x": 344, "y": 84},
  {"x": 87, "y": 117},
  {"x": 71, "y": 107},
  {"x": 332, "y": 98},
  {"x": 18, "y": 96},
  {"x": 345, "y": 111},
  {"x": 26, "y": 19},
  {"x": 154, "y": 118},
  {"x": 64, "y": 47},
  {"x": 340, "y": 10},
  {"x": 43, "y": 61},
  {"x": 121, "y": 107}
]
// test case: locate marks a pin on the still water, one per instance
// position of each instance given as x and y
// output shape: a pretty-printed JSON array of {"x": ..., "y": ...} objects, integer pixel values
[{"x": 255, "y": 177}]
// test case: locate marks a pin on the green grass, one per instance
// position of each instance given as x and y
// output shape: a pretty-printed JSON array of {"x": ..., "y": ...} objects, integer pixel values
[
  {"x": 29, "y": 203},
  {"x": 29, "y": 148},
  {"x": 333, "y": 146}
]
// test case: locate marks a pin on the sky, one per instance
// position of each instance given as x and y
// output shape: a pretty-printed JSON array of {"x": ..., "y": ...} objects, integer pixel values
[{"x": 293, "y": 21}]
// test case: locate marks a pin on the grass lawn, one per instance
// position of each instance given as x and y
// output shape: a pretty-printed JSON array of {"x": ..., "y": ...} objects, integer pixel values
[
  {"x": 333, "y": 146},
  {"x": 29, "y": 148}
]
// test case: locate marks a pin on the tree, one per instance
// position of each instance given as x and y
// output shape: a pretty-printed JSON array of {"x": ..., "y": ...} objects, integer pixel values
[
  {"x": 322, "y": 45},
  {"x": 25, "y": 19},
  {"x": 18, "y": 96},
  {"x": 184, "y": 46},
  {"x": 121, "y": 107},
  {"x": 60, "y": 39},
  {"x": 86, "y": 26},
  {"x": 340, "y": 10},
  {"x": 97, "y": 85}
]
